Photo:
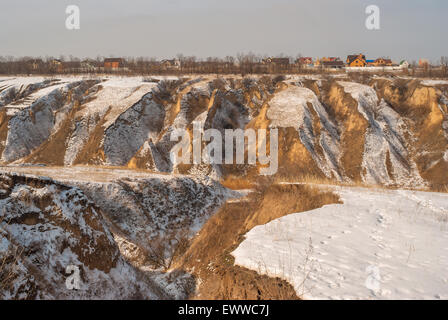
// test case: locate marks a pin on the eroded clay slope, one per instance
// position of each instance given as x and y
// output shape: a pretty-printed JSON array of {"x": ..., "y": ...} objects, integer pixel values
[{"x": 382, "y": 131}]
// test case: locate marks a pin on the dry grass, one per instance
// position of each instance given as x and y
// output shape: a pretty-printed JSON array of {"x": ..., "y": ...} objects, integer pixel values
[
  {"x": 8, "y": 267},
  {"x": 110, "y": 167},
  {"x": 317, "y": 180},
  {"x": 236, "y": 183},
  {"x": 438, "y": 188}
]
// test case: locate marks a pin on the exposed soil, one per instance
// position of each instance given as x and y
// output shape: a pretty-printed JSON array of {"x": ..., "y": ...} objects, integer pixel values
[{"x": 209, "y": 259}]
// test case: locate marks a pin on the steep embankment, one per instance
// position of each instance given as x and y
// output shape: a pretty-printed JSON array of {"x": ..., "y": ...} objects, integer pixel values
[
  {"x": 424, "y": 110},
  {"x": 385, "y": 159},
  {"x": 46, "y": 227},
  {"x": 122, "y": 229},
  {"x": 390, "y": 132},
  {"x": 308, "y": 139},
  {"x": 208, "y": 257}
]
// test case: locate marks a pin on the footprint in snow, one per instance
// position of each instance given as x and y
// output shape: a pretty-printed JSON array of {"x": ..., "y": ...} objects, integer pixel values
[{"x": 376, "y": 238}]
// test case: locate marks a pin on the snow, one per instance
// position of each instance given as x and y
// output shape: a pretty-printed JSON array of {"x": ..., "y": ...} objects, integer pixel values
[
  {"x": 124, "y": 118},
  {"x": 83, "y": 173},
  {"x": 287, "y": 107},
  {"x": 434, "y": 82},
  {"x": 30, "y": 90},
  {"x": 57, "y": 226},
  {"x": 291, "y": 108},
  {"x": 122, "y": 141},
  {"x": 113, "y": 97},
  {"x": 57, "y": 223},
  {"x": 386, "y": 133},
  {"x": 378, "y": 244},
  {"x": 142, "y": 207},
  {"x": 31, "y": 124},
  {"x": 374, "y": 69},
  {"x": 8, "y": 81}
]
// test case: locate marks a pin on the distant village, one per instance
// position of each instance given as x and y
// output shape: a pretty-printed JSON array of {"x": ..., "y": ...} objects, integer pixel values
[{"x": 244, "y": 64}]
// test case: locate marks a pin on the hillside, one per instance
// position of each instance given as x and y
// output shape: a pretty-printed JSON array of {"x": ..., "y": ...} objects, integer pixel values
[
  {"x": 86, "y": 179},
  {"x": 386, "y": 131}
]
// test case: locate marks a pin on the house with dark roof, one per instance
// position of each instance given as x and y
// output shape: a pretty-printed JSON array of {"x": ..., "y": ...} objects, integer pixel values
[
  {"x": 277, "y": 61},
  {"x": 356, "y": 60},
  {"x": 170, "y": 64},
  {"x": 113, "y": 63},
  {"x": 335, "y": 64}
]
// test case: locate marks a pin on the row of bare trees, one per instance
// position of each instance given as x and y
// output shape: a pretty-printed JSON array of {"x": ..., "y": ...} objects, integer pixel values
[{"x": 240, "y": 64}]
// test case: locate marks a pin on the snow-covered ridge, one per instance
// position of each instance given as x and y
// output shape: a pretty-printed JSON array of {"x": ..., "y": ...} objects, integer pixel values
[
  {"x": 32, "y": 124},
  {"x": 46, "y": 227},
  {"x": 292, "y": 108},
  {"x": 127, "y": 121}
]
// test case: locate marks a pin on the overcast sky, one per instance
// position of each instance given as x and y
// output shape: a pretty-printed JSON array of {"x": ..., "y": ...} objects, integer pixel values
[{"x": 162, "y": 28}]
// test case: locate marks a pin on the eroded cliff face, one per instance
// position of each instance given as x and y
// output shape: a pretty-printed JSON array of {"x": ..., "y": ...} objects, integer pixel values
[
  {"x": 424, "y": 111},
  {"x": 46, "y": 227},
  {"x": 122, "y": 232},
  {"x": 389, "y": 132}
]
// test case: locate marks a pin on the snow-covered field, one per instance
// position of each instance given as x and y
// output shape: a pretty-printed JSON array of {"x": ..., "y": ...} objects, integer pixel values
[
  {"x": 434, "y": 82},
  {"x": 378, "y": 244}
]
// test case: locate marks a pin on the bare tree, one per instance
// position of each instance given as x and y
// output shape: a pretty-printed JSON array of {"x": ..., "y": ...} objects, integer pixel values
[
  {"x": 444, "y": 66},
  {"x": 163, "y": 251}
]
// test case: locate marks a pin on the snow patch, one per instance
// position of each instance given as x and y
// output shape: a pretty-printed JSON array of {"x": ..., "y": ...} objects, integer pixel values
[{"x": 378, "y": 244}]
